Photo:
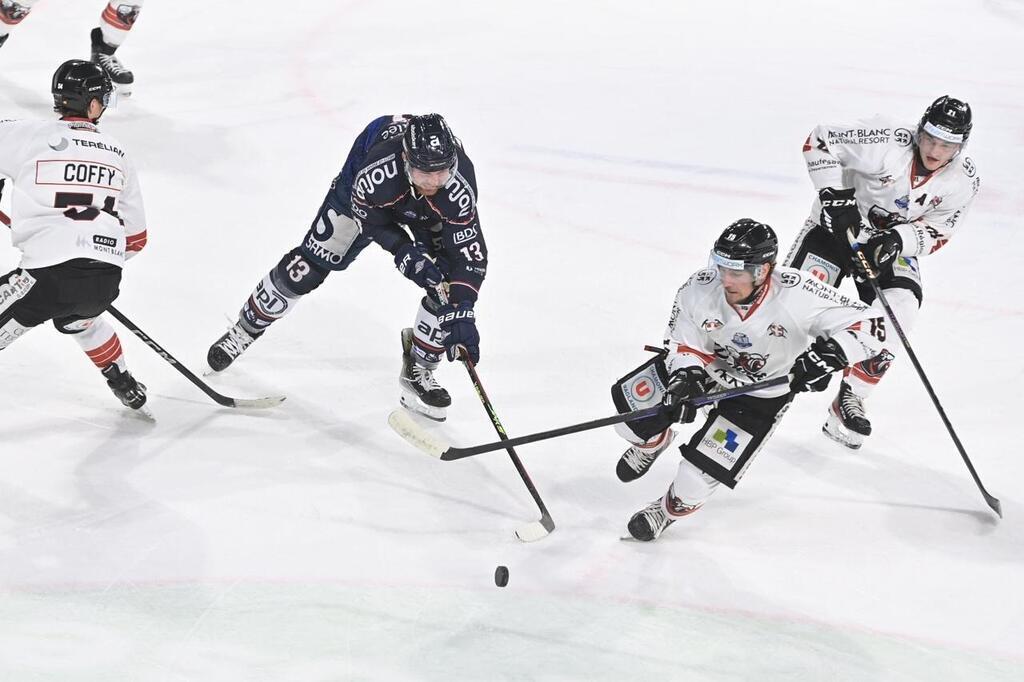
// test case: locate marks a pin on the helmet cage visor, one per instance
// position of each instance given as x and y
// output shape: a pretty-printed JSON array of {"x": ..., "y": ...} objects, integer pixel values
[
  {"x": 735, "y": 266},
  {"x": 942, "y": 134}
]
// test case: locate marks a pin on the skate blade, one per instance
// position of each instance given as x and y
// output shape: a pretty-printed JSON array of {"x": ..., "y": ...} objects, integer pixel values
[
  {"x": 144, "y": 413},
  {"x": 834, "y": 429},
  {"x": 413, "y": 404}
]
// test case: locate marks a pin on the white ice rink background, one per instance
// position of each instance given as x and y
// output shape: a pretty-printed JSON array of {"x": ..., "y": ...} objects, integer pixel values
[{"x": 612, "y": 141}]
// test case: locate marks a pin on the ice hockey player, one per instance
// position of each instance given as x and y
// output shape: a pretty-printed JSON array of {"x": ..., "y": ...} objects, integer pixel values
[
  {"x": 903, "y": 193},
  {"x": 407, "y": 185},
  {"x": 115, "y": 22},
  {"x": 76, "y": 215},
  {"x": 738, "y": 322}
]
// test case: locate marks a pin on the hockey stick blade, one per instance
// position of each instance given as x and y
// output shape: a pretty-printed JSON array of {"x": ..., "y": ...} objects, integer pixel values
[
  {"x": 402, "y": 423},
  {"x": 226, "y": 401},
  {"x": 257, "y": 403},
  {"x": 536, "y": 530}
]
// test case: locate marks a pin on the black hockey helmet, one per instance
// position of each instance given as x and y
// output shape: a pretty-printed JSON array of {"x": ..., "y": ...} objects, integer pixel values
[
  {"x": 747, "y": 245},
  {"x": 746, "y": 242},
  {"x": 429, "y": 144},
  {"x": 948, "y": 119},
  {"x": 76, "y": 83}
]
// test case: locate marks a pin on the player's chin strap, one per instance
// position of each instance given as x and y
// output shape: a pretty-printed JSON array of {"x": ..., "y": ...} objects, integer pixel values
[
  {"x": 872, "y": 278},
  {"x": 546, "y": 524}
]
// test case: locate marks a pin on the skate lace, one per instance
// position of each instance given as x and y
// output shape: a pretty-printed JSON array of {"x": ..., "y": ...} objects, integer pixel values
[
  {"x": 656, "y": 516},
  {"x": 424, "y": 377},
  {"x": 639, "y": 459},
  {"x": 236, "y": 341},
  {"x": 851, "y": 404},
  {"x": 112, "y": 64}
]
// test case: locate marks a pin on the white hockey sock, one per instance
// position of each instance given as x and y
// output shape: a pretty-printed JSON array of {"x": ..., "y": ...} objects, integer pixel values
[
  {"x": 689, "y": 491},
  {"x": 864, "y": 376},
  {"x": 267, "y": 304},
  {"x": 13, "y": 13},
  {"x": 100, "y": 342},
  {"x": 426, "y": 337},
  {"x": 117, "y": 19},
  {"x": 651, "y": 444}
]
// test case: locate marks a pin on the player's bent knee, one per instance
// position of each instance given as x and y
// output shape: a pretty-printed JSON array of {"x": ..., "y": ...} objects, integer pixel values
[{"x": 297, "y": 275}]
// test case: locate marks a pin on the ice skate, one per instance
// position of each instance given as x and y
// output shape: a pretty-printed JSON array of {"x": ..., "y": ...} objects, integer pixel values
[
  {"x": 127, "y": 389},
  {"x": 228, "y": 347},
  {"x": 649, "y": 523},
  {"x": 420, "y": 391},
  {"x": 637, "y": 460},
  {"x": 103, "y": 54},
  {"x": 847, "y": 423}
]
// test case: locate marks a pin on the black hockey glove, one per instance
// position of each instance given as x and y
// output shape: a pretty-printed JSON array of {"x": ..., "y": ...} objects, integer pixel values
[
  {"x": 839, "y": 213},
  {"x": 459, "y": 321},
  {"x": 881, "y": 252},
  {"x": 813, "y": 368},
  {"x": 413, "y": 262},
  {"x": 684, "y": 384}
]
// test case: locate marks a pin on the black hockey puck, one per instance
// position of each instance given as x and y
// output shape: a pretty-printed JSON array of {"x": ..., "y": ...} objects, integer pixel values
[{"x": 501, "y": 576}]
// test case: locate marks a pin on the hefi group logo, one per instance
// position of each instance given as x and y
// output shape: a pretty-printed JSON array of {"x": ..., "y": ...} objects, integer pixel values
[
  {"x": 724, "y": 442},
  {"x": 727, "y": 439}
]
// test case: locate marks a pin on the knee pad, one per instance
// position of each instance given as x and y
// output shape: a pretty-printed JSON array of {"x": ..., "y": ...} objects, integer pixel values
[
  {"x": 73, "y": 325},
  {"x": 427, "y": 336},
  {"x": 296, "y": 275}
]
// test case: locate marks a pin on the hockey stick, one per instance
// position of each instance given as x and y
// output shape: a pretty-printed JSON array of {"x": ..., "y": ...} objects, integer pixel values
[
  {"x": 535, "y": 530},
  {"x": 203, "y": 386},
  {"x": 872, "y": 276},
  {"x": 437, "y": 447}
]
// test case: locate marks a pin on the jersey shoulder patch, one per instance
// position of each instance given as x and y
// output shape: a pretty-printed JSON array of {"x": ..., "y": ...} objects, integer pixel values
[
  {"x": 704, "y": 277},
  {"x": 970, "y": 170}
]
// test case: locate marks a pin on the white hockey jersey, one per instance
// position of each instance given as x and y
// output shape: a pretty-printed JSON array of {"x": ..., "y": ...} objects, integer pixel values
[
  {"x": 877, "y": 159},
  {"x": 740, "y": 345},
  {"x": 75, "y": 193}
]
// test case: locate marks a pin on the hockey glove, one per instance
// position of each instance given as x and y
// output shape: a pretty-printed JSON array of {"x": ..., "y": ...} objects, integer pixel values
[
  {"x": 459, "y": 323},
  {"x": 813, "y": 368},
  {"x": 839, "y": 214},
  {"x": 684, "y": 384},
  {"x": 881, "y": 251},
  {"x": 413, "y": 262}
]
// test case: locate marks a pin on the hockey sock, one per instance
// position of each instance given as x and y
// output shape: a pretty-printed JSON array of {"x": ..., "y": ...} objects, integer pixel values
[
  {"x": 12, "y": 14},
  {"x": 427, "y": 335},
  {"x": 689, "y": 491},
  {"x": 100, "y": 342},
  {"x": 117, "y": 19},
  {"x": 865, "y": 375}
]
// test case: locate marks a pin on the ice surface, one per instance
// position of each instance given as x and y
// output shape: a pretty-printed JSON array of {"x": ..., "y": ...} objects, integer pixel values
[{"x": 612, "y": 143}]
